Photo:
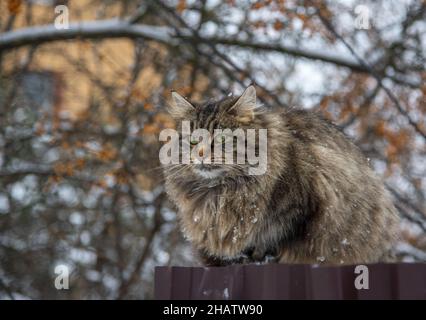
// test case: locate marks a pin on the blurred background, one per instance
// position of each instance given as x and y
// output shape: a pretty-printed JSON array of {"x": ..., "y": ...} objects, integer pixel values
[{"x": 82, "y": 100}]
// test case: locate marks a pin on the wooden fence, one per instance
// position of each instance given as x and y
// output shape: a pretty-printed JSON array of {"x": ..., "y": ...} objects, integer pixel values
[{"x": 279, "y": 281}]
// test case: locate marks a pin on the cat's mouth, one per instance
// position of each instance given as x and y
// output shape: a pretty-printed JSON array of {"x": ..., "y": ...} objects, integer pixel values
[{"x": 208, "y": 171}]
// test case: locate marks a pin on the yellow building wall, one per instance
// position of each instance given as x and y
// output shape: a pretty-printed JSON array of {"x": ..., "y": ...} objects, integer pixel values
[{"x": 109, "y": 61}]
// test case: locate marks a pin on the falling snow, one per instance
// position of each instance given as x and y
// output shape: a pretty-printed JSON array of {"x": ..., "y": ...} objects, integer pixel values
[{"x": 345, "y": 242}]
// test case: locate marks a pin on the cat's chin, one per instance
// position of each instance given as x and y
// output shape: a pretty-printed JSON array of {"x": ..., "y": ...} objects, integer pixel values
[{"x": 208, "y": 173}]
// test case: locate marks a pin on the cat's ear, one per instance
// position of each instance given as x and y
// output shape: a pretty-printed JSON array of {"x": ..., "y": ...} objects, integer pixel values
[
  {"x": 179, "y": 106},
  {"x": 245, "y": 106}
]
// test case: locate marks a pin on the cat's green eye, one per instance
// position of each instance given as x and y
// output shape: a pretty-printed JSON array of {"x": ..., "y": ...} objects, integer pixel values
[
  {"x": 193, "y": 142},
  {"x": 220, "y": 139}
]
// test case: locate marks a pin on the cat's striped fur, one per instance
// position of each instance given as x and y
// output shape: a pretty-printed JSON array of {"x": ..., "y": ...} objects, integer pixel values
[{"x": 319, "y": 201}]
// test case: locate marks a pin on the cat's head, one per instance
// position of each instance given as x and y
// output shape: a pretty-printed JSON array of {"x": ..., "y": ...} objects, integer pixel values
[{"x": 225, "y": 120}]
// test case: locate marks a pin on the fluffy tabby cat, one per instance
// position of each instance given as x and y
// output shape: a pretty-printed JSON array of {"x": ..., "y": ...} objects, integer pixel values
[{"x": 318, "y": 202}]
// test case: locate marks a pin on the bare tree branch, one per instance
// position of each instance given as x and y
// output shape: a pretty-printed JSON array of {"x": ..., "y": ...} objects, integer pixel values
[
  {"x": 370, "y": 70},
  {"x": 115, "y": 28},
  {"x": 158, "y": 221},
  {"x": 112, "y": 28}
]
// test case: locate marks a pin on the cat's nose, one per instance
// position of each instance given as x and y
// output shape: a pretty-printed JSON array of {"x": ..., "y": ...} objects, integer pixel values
[{"x": 202, "y": 154}]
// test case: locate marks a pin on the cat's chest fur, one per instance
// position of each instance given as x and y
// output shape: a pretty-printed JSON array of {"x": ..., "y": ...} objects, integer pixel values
[{"x": 220, "y": 221}]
